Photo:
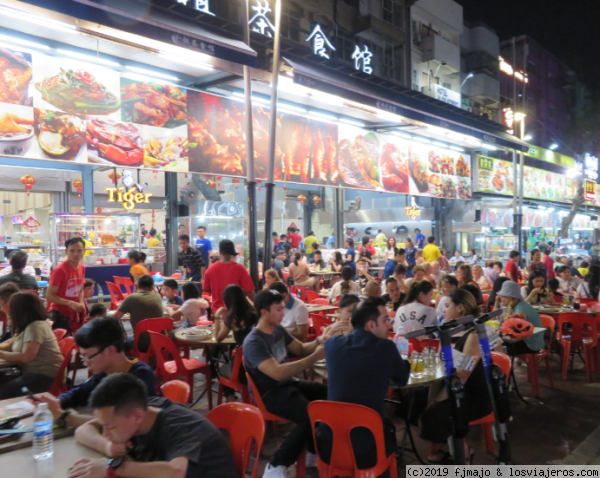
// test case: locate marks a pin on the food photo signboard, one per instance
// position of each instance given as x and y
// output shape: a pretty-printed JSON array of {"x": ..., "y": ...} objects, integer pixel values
[{"x": 496, "y": 176}]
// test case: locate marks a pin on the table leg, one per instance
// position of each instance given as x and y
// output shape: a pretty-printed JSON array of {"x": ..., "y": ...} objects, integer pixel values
[{"x": 514, "y": 380}]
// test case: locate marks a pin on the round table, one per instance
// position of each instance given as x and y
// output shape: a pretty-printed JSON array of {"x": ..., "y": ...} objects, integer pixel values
[{"x": 182, "y": 337}]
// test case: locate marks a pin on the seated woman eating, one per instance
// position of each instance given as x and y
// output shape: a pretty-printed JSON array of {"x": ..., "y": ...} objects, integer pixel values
[
  {"x": 536, "y": 291},
  {"x": 192, "y": 309},
  {"x": 510, "y": 296},
  {"x": 33, "y": 347},
  {"x": 436, "y": 421}
]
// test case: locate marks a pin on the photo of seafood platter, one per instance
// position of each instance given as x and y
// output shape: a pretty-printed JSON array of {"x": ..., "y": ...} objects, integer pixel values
[
  {"x": 540, "y": 184},
  {"x": 153, "y": 104},
  {"x": 358, "y": 158},
  {"x": 394, "y": 166},
  {"x": 15, "y": 77},
  {"x": 498, "y": 179},
  {"x": 59, "y": 136},
  {"x": 17, "y": 133},
  {"x": 75, "y": 87}
]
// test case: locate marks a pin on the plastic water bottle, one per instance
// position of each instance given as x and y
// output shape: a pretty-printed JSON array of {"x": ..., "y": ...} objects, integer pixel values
[
  {"x": 100, "y": 294},
  {"x": 164, "y": 301},
  {"x": 43, "y": 439},
  {"x": 401, "y": 344}
]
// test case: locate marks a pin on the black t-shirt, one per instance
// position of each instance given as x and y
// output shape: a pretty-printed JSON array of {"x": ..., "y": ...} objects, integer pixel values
[
  {"x": 181, "y": 432},
  {"x": 397, "y": 304}
]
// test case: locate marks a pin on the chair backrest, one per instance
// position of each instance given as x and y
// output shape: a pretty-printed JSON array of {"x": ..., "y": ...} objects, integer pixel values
[
  {"x": 503, "y": 361},
  {"x": 33, "y": 291},
  {"x": 114, "y": 292},
  {"x": 176, "y": 276},
  {"x": 176, "y": 391},
  {"x": 60, "y": 333},
  {"x": 257, "y": 398},
  {"x": 319, "y": 323},
  {"x": 238, "y": 357},
  {"x": 485, "y": 299},
  {"x": 548, "y": 322},
  {"x": 67, "y": 346},
  {"x": 416, "y": 344},
  {"x": 124, "y": 282},
  {"x": 245, "y": 425},
  {"x": 558, "y": 298},
  {"x": 342, "y": 418},
  {"x": 312, "y": 295},
  {"x": 161, "y": 343},
  {"x": 158, "y": 325},
  {"x": 582, "y": 331},
  {"x": 587, "y": 301},
  {"x": 320, "y": 301}
]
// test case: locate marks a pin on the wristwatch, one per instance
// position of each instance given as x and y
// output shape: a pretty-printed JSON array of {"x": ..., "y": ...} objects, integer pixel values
[
  {"x": 61, "y": 421},
  {"x": 111, "y": 467}
]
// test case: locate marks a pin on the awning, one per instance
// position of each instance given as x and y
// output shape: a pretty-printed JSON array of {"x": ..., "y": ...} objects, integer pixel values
[
  {"x": 140, "y": 19},
  {"x": 467, "y": 227},
  {"x": 404, "y": 102}
]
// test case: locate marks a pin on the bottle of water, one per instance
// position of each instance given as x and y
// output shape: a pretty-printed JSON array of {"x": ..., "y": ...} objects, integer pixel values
[
  {"x": 100, "y": 294},
  {"x": 401, "y": 343},
  {"x": 164, "y": 302},
  {"x": 43, "y": 440}
]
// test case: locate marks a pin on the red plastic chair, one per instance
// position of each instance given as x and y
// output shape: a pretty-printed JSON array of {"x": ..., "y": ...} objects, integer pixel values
[
  {"x": 178, "y": 367},
  {"x": 176, "y": 276},
  {"x": 245, "y": 426},
  {"x": 432, "y": 343},
  {"x": 158, "y": 325},
  {"x": 67, "y": 346},
  {"x": 485, "y": 299},
  {"x": 233, "y": 381},
  {"x": 126, "y": 283},
  {"x": 342, "y": 418},
  {"x": 312, "y": 295},
  {"x": 59, "y": 334},
  {"x": 581, "y": 334},
  {"x": 320, "y": 301},
  {"x": 588, "y": 301},
  {"x": 503, "y": 361},
  {"x": 116, "y": 296},
  {"x": 319, "y": 323},
  {"x": 268, "y": 416},
  {"x": 176, "y": 391}
]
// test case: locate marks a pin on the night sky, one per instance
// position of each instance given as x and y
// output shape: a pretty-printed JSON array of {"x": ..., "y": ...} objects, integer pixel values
[{"x": 570, "y": 29}]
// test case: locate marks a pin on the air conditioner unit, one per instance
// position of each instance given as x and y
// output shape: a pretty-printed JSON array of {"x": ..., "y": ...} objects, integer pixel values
[
  {"x": 415, "y": 86},
  {"x": 448, "y": 86}
]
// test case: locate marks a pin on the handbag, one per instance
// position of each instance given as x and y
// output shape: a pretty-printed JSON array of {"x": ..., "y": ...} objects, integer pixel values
[{"x": 9, "y": 372}]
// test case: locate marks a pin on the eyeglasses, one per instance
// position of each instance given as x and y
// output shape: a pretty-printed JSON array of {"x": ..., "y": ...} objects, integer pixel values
[{"x": 91, "y": 357}]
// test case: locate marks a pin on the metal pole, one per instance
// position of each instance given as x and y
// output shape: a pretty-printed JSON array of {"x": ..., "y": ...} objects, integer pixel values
[
  {"x": 521, "y": 136},
  {"x": 515, "y": 203},
  {"x": 251, "y": 181},
  {"x": 270, "y": 185},
  {"x": 171, "y": 224}
]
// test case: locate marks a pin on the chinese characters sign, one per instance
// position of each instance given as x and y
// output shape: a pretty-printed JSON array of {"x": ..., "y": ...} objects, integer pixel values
[
  {"x": 590, "y": 190},
  {"x": 260, "y": 22},
  {"x": 591, "y": 167},
  {"x": 362, "y": 59},
  {"x": 200, "y": 5},
  {"x": 320, "y": 42},
  {"x": 31, "y": 224}
]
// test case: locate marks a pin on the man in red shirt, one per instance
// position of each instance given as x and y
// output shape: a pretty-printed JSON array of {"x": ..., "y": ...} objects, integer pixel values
[
  {"x": 549, "y": 263},
  {"x": 65, "y": 290},
  {"x": 293, "y": 238},
  {"x": 226, "y": 272},
  {"x": 275, "y": 238},
  {"x": 512, "y": 269}
]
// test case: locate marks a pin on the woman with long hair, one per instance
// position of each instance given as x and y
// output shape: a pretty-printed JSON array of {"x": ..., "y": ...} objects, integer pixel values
[
  {"x": 194, "y": 307},
  {"x": 238, "y": 316},
  {"x": 300, "y": 272},
  {"x": 33, "y": 346},
  {"x": 336, "y": 262},
  {"x": 480, "y": 278},
  {"x": 345, "y": 286},
  {"x": 536, "y": 291},
  {"x": 390, "y": 253},
  {"x": 364, "y": 252},
  {"x": 136, "y": 261},
  {"x": 436, "y": 421},
  {"x": 536, "y": 264},
  {"x": 416, "y": 312},
  {"x": 493, "y": 299},
  {"x": 590, "y": 288},
  {"x": 464, "y": 275}
]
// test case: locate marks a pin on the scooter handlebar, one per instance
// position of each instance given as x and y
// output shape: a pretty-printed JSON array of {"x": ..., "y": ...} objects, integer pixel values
[{"x": 451, "y": 324}]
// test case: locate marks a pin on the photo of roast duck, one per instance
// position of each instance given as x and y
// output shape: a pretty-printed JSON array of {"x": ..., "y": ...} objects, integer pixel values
[
  {"x": 310, "y": 154},
  {"x": 394, "y": 169},
  {"x": 350, "y": 170}
]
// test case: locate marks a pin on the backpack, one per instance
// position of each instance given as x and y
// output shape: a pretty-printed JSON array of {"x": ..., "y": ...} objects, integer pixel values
[{"x": 280, "y": 246}]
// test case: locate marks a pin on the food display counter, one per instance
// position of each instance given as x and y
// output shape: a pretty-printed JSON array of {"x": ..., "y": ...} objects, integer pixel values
[
  {"x": 106, "y": 236},
  {"x": 497, "y": 248}
]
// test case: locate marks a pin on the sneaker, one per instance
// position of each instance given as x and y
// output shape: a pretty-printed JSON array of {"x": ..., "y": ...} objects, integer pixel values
[
  {"x": 311, "y": 460},
  {"x": 274, "y": 471}
]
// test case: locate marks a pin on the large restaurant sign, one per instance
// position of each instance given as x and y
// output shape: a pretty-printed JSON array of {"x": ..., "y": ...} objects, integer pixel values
[
  {"x": 70, "y": 110},
  {"x": 496, "y": 176}
]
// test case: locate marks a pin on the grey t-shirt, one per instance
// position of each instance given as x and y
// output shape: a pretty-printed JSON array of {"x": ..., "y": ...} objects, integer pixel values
[
  {"x": 181, "y": 432},
  {"x": 23, "y": 281},
  {"x": 258, "y": 347}
]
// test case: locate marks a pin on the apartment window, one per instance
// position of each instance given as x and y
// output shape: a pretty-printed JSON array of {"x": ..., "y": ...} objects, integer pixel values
[
  {"x": 290, "y": 23},
  {"x": 352, "y": 3},
  {"x": 345, "y": 45},
  {"x": 392, "y": 12}
]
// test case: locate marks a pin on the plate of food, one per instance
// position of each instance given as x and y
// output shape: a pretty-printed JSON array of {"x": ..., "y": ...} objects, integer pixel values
[
  {"x": 60, "y": 135},
  {"x": 16, "y": 130},
  {"x": 78, "y": 91},
  {"x": 449, "y": 187},
  {"x": 418, "y": 171},
  {"x": 484, "y": 179},
  {"x": 436, "y": 186},
  {"x": 15, "y": 77},
  {"x": 464, "y": 188},
  {"x": 166, "y": 149},
  {"x": 435, "y": 162},
  {"x": 154, "y": 104},
  {"x": 462, "y": 167},
  {"x": 394, "y": 168},
  {"x": 114, "y": 143}
]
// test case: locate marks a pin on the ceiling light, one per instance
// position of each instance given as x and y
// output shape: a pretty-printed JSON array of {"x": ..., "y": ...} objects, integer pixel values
[
  {"x": 474, "y": 141},
  {"x": 456, "y": 136},
  {"x": 321, "y": 116},
  {"x": 488, "y": 146},
  {"x": 389, "y": 116},
  {"x": 456, "y": 148},
  {"x": 421, "y": 140},
  {"x": 553, "y": 146},
  {"x": 184, "y": 61},
  {"x": 144, "y": 78},
  {"x": 401, "y": 135},
  {"x": 519, "y": 116},
  {"x": 527, "y": 137},
  {"x": 352, "y": 122},
  {"x": 291, "y": 107},
  {"x": 152, "y": 73},
  {"x": 443, "y": 145},
  {"x": 85, "y": 57},
  {"x": 43, "y": 21},
  {"x": 18, "y": 41}
]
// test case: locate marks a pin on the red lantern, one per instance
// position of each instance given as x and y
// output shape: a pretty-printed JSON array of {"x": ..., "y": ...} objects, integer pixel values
[
  {"x": 316, "y": 200},
  {"x": 78, "y": 185},
  {"x": 211, "y": 183},
  {"x": 98, "y": 210},
  {"x": 235, "y": 181},
  {"x": 112, "y": 177},
  {"x": 301, "y": 198},
  {"x": 28, "y": 181},
  {"x": 155, "y": 173}
]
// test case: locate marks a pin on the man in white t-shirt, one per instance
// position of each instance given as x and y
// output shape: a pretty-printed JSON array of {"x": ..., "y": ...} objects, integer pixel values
[{"x": 295, "y": 314}]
